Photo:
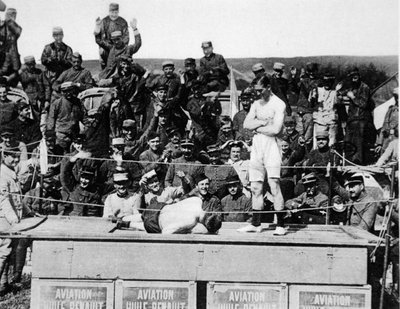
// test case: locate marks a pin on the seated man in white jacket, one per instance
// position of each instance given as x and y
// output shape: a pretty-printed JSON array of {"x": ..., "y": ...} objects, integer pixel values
[{"x": 122, "y": 204}]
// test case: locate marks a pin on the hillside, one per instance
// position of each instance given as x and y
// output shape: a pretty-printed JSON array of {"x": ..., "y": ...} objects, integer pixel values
[{"x": 388, "y": 64}]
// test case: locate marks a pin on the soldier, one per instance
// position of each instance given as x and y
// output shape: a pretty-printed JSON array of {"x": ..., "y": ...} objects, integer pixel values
[
  {"x": 280, "y": 85},
  {"x": 246, "y": 99},
  {"x": 236, "y": 201},
  {"x": 186, "y": 163},
  {"x": 311, "y": 198},
  {"x": 390, "y": 124},
  {"x": 190, "y": 73},
  {"x": 14, "y": 33},
  {"x": 81, "y": 77},
  {"x": 123, "y": 204},
  {"x": 259, "y": 72},
  {"x": 26, "y": 129},
  {"x": 360, "y": 129},
  {"x": 8, "y": 108},
  {"x": 11, "y": 210},
  {"x": 217, "y": 172},
  {"x": 120, "y": 159},
  {"x": 213, "y": 71},
  {"x": 109, "y": 24},
  {"x": 266, "y": 118},
  {"x": 117, "y": 48},
  {"x": 35, "y": 86},
  {"x": 81, "y": 192},
  {"x": 65, "y": 114},
  {"x": 56, "y": 56}
]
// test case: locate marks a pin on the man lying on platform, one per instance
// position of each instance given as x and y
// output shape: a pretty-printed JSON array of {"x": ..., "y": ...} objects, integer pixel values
[{"x": 164, "y": 215}]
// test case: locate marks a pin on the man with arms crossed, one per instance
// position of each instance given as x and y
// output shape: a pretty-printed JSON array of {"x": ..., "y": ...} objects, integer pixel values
[{"x": 266, "y": 119}]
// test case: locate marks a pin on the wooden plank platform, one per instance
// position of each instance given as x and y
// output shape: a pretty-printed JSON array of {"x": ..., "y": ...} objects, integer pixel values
[{"x": 98, "y": 229}]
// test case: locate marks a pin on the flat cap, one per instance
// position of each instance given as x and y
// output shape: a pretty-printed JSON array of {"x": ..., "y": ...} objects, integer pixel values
[
  {"x": 356, "y": 178},
  {"x": 278, "y": 66},
  {"x": 120, "y": 177},
  {"x": 171, "y": 131},
  {"x": 322, "y": 134},
  {"x": 206, "y": 44},
  {"x": 116, "y": 34},
  {"x": 168, "y": 63},
  {"x": 114, "y": 6},
  {"x": 257, "y": 67},
  {"x": 129, "y": 123},
  {"x": 150, "y": 174},
  {"x": 58, "y": 30},
  {"x": 117, "y": 141},
  {"x": 11, "y": 11},
  {"x": 29, "y": 59},
  {"x": 309, "y": 179}
]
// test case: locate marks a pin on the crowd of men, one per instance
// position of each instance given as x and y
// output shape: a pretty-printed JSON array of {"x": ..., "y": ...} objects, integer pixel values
[{"x": 157, "y": 145}]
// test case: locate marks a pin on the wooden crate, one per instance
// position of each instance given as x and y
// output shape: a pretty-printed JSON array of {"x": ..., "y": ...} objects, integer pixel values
[
  {"x": 329, "y": 297},
  {"x": 155, "y": 294},
  {"x": 71, "y": 294},
  {"x": 246, "y": 296}
]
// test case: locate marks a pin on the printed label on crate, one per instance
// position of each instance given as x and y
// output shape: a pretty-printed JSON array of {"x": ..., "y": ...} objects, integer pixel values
[
  {"x": 67, "y": 297},
  {"x": 224, "y": 297},
  {"x": 155, "y": 298},
  {"x": 330, "y": 300}
]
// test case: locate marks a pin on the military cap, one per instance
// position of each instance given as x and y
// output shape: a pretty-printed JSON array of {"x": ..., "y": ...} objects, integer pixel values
[
  {"x": 199, "y": 177},
  {"x": 309, "y": 179},
  {"x": 236, "y": 144},
  {"x": 163, "y": 112},
  {"x": 189, "y": 61},
  {"x": 213, "y": 148},
  {"x": 257, "y": 67},
  {"x": 58, "y": 30},
  {"x": 152, "y": 135},
  {"x": 167, "y": 63},
  {"x": 328, "y": 76},
  {"x": 289, "y": 120},
  {"x": 22, "y": 105},
  {"x": 7, "y": 131},
  {"x": 79, "y": 139},
  {"x": 162, "y": 87},
  {"x": 312, "y": 67},
  {"x": 187, "y": 142},
  {"x": 50, "y": 135},
  {"x": 29, "y": 59},
  {"x": 11, "y": 11},
  {"x": 149, "y": 175},
  {"x": 3, "y": 81},
  {"x": 396, "y": 91},
  {"x": 278, "y": 66},
  {"x": 206, "y": 44},
  {"x": 117, "y": 141},
  {"x": 87, "y": 172},
  {"x": 116, "y": 34},
  {"x": 171, "y": 131},
  {"x": 77, "y": 55},
  {"x": 67, "y": 86},
  {"x": 114, "y": 6},
  {"x": 353, "y": 71},
  {"x": 322, "y": 134},
  {"x": 129, "y": 123},
  {"x": 356, "y": 178},
  {"x": 120, "y": 177},
  {"x": 232, "y": 179}
]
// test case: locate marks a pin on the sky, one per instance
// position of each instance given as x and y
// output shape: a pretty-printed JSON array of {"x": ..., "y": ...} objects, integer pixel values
[{"x": 238, "y": 28}]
